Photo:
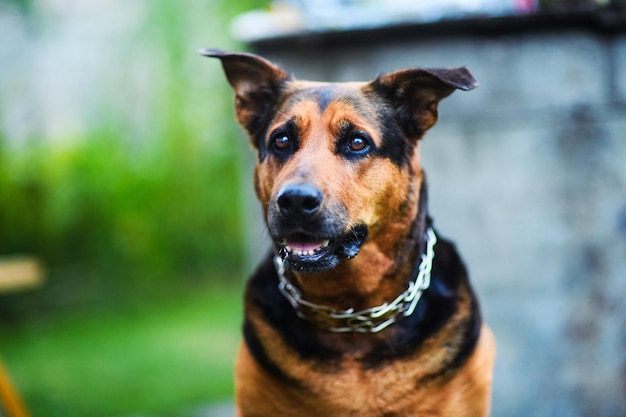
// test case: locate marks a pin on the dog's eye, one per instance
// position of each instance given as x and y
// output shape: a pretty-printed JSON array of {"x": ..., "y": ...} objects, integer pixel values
[
  {"x": 282, "y": 142},
  {"x": 358, "y": 144}
]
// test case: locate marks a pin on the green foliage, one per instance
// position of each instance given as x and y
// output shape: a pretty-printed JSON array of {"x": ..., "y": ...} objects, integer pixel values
[
  {"x": 107, "y": 220},
  {"x": 152, "y": 218},
  {"x": 22, "y": 4},
  {"x": 125, "y": 208}
]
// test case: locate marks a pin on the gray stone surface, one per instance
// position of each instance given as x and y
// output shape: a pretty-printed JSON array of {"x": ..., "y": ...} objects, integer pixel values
[{"x": 528, "y": 175}]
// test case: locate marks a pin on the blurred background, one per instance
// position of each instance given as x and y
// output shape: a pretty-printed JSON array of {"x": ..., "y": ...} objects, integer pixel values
[
  {"x": 120, "y": 167},
  {"x": 128, "y": 225}
]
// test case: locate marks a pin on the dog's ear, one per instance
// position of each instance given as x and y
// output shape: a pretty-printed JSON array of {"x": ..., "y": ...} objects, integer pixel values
[
  {"x": 415, "y": 93},
  {"x": 256, "y": 82}
]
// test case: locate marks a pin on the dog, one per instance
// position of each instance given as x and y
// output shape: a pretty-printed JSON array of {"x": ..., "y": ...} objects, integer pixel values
[{"x": 361, "y": 308}]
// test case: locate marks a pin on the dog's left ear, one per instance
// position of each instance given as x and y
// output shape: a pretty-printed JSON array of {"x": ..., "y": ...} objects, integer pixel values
[
  {"x": 256, "y": 82},
  {"x": 415, "y": 93}
]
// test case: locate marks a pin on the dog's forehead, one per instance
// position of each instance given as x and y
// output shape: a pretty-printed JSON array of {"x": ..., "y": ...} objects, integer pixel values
[{"x": 350, "y": 95}]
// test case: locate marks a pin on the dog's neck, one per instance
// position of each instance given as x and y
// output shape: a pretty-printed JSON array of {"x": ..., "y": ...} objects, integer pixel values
[{"x": 381, "y": 270}]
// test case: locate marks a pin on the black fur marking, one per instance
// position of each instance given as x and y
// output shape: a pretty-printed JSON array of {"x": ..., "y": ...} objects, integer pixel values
[
  {"x": 352, "y": 242},
  {"x": 347, "y": 132},
  {"x": 257, "y": 126},
  {"x": 471, "y": 332},
  {"x": 404, "y": 114},
  {"x": 395, "y": 146},
  {"x": 324, "y": 96},
  {"x": 258, "y": 351},
  {"x": 470, "y": 338},
  {"x": 259, "y": 141},
  {"x": 401, "y": 108},
  {"x": 290, "y": 130}
]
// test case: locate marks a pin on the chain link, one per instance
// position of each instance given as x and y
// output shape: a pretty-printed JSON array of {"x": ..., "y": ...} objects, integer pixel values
[{"x": 371, "y": 320}]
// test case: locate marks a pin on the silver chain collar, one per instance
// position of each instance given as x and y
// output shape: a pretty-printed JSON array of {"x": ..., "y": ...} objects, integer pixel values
[{"x": 371, "y": 320}]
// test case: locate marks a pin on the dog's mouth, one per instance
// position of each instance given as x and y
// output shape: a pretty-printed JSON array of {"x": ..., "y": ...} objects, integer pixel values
[
  {"x": 303, "y": 252},
  {"x": 304, "y": 246}
]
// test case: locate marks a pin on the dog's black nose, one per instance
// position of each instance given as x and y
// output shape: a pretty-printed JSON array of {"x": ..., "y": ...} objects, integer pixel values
[{"x": 299, "y": 200}]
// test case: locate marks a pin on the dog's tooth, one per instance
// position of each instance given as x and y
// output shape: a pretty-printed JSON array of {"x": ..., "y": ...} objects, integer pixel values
[
  {"x": 298, "y": 252},
  {"x": 325, "y": 243},
  {"x": 311, "y": 252},
  {"x": 288, "y": 248}
]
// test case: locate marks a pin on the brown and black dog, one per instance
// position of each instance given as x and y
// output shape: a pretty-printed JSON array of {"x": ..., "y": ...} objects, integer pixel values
[{"x": 361, "y": 309}]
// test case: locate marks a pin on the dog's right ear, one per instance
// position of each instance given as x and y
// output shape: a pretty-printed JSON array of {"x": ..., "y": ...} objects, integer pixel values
[{"x": 257, "y": 83}]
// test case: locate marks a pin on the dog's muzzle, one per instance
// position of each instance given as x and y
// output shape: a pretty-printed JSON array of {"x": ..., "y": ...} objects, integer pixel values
[{"x": 311, "y": 233}]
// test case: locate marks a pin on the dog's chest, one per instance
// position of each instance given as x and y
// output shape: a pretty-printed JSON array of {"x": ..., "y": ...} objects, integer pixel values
[{"x": 389, "y": 389}]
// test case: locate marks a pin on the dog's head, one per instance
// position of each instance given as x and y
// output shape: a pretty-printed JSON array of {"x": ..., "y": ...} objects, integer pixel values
[{"x": 337, "y": 162}]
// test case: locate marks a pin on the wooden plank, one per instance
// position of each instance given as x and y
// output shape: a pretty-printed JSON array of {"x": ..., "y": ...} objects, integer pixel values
[{"x": 20, "y": 273}]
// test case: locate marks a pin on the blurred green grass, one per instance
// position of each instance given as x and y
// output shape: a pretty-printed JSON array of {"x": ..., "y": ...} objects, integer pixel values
[
  {"x": 138, "y": 223},
  {"x": 157, "y": 359}
]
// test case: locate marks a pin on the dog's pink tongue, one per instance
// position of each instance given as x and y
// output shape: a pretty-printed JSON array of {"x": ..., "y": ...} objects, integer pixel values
[{"x": 304, "y": 246}]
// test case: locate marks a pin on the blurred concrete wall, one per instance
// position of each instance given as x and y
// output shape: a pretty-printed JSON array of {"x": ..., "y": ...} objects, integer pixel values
[{"x": 528, "y": 175}]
